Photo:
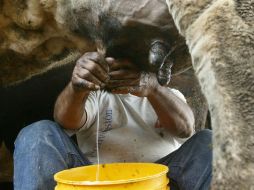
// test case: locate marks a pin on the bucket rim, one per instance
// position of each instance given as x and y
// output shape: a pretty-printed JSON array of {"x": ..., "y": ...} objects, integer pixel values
[{"x": 107, "y": 182}]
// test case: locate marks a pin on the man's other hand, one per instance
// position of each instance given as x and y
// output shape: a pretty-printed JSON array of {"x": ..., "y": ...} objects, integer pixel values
[{"x": 125, "y": 78}]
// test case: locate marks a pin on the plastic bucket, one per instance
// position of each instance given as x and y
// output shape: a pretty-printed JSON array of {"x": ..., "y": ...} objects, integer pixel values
[{"x": 117, "y": 176}]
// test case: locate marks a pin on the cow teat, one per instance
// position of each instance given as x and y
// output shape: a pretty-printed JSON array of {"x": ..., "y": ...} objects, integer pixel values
[{"x": 160, "y": 61}]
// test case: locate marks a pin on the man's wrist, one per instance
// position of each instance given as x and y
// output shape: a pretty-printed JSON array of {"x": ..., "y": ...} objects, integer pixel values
[
  {"x": 78, "y": 91},
  {"x": 154, "y": 90}
]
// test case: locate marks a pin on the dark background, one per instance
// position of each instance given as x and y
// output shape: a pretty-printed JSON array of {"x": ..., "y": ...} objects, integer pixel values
[{"x": 30, "y": 101}]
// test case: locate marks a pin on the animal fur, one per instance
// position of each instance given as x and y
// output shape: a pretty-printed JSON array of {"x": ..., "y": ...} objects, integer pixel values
[{"x": 220, "y": 36}]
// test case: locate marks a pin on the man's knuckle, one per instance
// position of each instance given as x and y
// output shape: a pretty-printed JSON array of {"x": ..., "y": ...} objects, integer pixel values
[
  {"x": 92, "y": 67},
  {"x": 85, "y": 73},
  {"x": 93, "y": 56},
  {"x": 87, "y": 54},
  {"x": 76, "y": 82},
  {"x": 79, "y": 63}
]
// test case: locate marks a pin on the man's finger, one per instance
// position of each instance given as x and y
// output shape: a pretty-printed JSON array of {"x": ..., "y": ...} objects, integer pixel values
[
  {"x": 120, "y": 64},
  {"x": 125, "y": 90},
  {"x": 84, "y": 84},
  {"x": 120, "y": 90},
  {"x": 94, "y": 57},
  {"x": 124, "y": 74},
  {"x": 122, "y": 83},
  {"x": 88, "y": 76},
  {"x": 96, "y": 70}
]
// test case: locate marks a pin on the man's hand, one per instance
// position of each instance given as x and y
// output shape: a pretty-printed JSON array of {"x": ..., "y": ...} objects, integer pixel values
[
  {"x": 172, "y": 112},
  {"x": 126, "y": 78},
  {"x": 90, "y": 72}
]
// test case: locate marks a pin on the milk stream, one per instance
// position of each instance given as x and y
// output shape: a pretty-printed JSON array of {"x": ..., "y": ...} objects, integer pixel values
[
  {"x": 97, "y": 143},
  {"x": 101, "y": 51}
]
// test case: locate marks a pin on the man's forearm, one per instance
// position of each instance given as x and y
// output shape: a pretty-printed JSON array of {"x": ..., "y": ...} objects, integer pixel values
[
  {"x": 69, "y": 109},
  {"x": 173, "y": 113}
]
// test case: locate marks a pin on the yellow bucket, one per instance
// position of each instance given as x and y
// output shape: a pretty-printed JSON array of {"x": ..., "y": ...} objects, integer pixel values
[{"x": 116, "y": 176}]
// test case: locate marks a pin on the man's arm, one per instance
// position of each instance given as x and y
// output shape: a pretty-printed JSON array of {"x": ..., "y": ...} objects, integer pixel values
[
  {"x": 88, "y": 75},
  {"x": 173, "y": 113},
  {"x": 69, "y": 109}
]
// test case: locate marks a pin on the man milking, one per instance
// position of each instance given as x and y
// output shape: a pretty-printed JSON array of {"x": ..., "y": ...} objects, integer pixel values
[{"x": 139, "y": 121}]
